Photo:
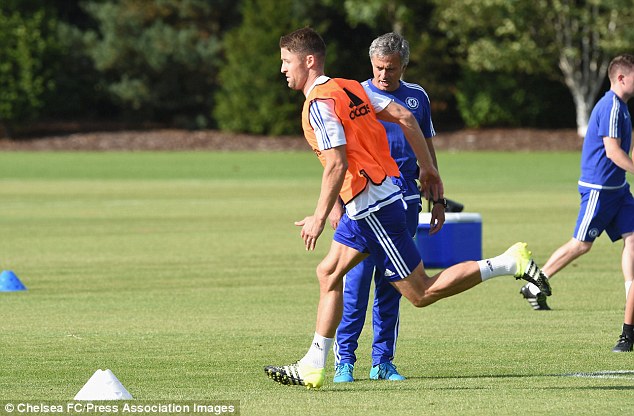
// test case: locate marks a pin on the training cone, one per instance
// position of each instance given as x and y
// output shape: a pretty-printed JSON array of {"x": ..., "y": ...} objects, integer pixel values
[
  {"x": 103, "y": 385},
  {"x": 9, "y": 282}
]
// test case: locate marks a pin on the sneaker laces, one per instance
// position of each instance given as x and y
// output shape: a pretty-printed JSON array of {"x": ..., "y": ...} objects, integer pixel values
[
  {"x": 388, "y": 369},
  {"x": 286, "y": 374},
  {"x": 531, "y": 273},
  {"x": 344, "y": 368},
  {"x": 534, "y": 275}
]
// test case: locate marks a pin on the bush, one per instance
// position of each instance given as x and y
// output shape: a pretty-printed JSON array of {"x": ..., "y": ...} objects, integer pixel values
[
  {"x": 487, "y": 99},
  {"x": 24, "y": 40},
  {"x": 253, "y": 96},
  {"x": 158, "y": 57}
]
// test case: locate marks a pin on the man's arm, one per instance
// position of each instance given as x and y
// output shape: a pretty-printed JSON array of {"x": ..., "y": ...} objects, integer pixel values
[
  {"x": 614, "y": 152},
  {"x": 432, "y": 152},
  {"x": 437, "y": 210},
  {"x": 429, "y": 177},
  {"x": 335, "y": 215},
  {"x": 331, "y": 182}
]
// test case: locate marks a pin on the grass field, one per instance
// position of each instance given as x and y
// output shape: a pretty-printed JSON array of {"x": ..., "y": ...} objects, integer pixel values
[{"x": 184, "y": 274}]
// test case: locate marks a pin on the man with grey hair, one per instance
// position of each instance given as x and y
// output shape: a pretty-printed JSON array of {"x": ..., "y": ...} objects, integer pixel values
[
  {"x": 389, "y": 56},
  {"x": 340, "y": 123}
]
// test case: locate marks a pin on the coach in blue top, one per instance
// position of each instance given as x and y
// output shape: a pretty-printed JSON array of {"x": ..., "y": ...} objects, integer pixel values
[
  {"x": 389, "y": 55},
  {"x": 606, "y": 200}
]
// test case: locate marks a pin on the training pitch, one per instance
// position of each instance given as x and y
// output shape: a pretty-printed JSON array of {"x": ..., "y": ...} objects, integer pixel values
[{"x": 184, "y": 274}]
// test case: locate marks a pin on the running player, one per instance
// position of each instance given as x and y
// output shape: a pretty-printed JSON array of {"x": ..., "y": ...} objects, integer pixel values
[
  {"x": 389, "y": 56},
  {"x": 341, "y": 126}
]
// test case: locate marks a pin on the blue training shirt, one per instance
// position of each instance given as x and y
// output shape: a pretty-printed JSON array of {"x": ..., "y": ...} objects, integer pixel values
[
  {"x": 414, "y": 98},
  {"x": 609, "y": 118}
]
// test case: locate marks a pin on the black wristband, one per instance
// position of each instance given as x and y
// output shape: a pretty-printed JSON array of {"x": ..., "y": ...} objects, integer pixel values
[{"x": 442, "y": 201}]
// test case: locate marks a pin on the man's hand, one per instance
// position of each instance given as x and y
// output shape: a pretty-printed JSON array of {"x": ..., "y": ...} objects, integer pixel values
[
  {"x": 437, "y": 218},
  {"x": 335, "y": 215},
  {"x": 430, "y": 184},
  {"x": 311, "y": 230}
]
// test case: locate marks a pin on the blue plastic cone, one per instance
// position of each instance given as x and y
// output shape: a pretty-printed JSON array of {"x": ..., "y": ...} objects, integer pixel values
[{"x": 9, "y": 282}]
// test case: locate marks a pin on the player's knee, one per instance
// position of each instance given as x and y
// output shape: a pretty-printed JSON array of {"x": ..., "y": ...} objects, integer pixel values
[
  {"x": 422, "y": 300},
  {"x": 328, "y": 279},
  {"x": 324, "y": 271},
  {"x": 628, "y": 241},
  {"x": 583, "y": 248}
]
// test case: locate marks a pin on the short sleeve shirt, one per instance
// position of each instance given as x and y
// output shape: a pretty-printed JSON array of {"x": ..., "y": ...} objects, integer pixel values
[
  {"x": 415, "y": 99},
  {"x": 609, "y": 118}
]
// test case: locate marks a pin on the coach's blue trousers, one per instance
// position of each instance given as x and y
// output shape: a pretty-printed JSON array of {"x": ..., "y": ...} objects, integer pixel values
[{"x": 385, "y": 311}]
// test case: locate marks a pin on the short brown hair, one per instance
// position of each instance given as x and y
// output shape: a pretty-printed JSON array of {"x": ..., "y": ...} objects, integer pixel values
[
  {"x": 621, "y": 63},
  {"x": 304, "y": 42}
]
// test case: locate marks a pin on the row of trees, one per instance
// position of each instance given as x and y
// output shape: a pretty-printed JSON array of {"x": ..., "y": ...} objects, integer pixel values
[{"x": 215, "y": 63}]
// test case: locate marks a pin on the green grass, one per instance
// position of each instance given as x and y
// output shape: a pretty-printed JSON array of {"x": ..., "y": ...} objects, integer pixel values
[{"x": 184, "y": 274}]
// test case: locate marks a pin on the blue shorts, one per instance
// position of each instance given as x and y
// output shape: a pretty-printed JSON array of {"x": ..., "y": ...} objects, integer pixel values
[
  {"x": 609, "y": 210},
  {"x": 411, "y": 195},
  {"x": 384, "y": 235}
]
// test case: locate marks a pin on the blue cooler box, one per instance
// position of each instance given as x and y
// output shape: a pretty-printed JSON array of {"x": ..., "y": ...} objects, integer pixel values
[{"x": 460, "y": 239}]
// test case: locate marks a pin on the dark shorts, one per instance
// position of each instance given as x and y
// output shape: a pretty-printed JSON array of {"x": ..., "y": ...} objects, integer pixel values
[{"x": 384, "y": 235}]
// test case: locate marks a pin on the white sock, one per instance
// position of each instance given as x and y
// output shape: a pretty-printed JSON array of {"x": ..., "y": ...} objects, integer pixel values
[
  {"x": 501, "y": 265},
  {"x": 628, "y": 284},
  {"x": 318, "y": 351}
]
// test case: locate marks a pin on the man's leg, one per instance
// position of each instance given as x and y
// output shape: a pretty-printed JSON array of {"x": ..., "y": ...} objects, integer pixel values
[
  {"x": 422, "y": 290},
  {"x": 385, "y": 321},
  {"x": 627, "y": 261},
  {"x": 339, "y": 261},
  {"x": 596, "y": 211},
  {"x": 385, "y": 235},
  {"x": 309, "y": 371},
  {"x": 560, "y": 258},
  {"x": 626, "y": 340},
  {"x": 356, "y": 293},
  {"x": 565, "y": 255},
  {"x": 622, "y": 226},
  {"x": 385, "y": 312},
  {"x": 417, "y": 287}
]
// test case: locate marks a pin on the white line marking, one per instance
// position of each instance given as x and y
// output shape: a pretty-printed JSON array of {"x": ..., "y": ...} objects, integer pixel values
[{"x": 629, "y": 374}]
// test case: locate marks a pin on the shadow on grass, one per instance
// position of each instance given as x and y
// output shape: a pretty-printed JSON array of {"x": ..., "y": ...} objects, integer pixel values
[{"x": 363, "y": 384}]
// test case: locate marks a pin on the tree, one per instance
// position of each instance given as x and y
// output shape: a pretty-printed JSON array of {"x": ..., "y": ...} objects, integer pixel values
[
  {"x": 371, "y": 12},
  {"x": 78, "y": 91},
  {"x": 24, "y": 41},
  {"x": 432, "y": 63},
  {"x": 253, "y": 96},
  {"x": 513, "y": 100},
  {"x": 160, "y": 57},
  {"x": 577, "y": 37}
]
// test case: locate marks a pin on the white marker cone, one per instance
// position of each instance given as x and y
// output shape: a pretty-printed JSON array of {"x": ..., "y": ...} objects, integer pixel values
[{"x": 103, "y": 385}]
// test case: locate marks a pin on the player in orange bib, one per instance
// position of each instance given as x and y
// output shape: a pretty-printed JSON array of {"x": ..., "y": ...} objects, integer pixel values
[
  {"x": 340, "y": 124},
  {"x": 367, "y": 150}
]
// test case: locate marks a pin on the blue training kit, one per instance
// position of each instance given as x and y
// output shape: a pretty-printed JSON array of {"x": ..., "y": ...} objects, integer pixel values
[
  {"x": 357, "y": 282},
  {"x": 606, "y": 201}
]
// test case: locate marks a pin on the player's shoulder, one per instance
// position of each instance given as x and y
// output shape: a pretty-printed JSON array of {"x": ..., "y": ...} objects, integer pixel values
[
  {"x": 369, "y": 88},
  {"x": 373, "y": 91},
  {"x": 610, "y": 99},
  {"x": 416, "y": 88},
  {"x": 609, "y": 104}
]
